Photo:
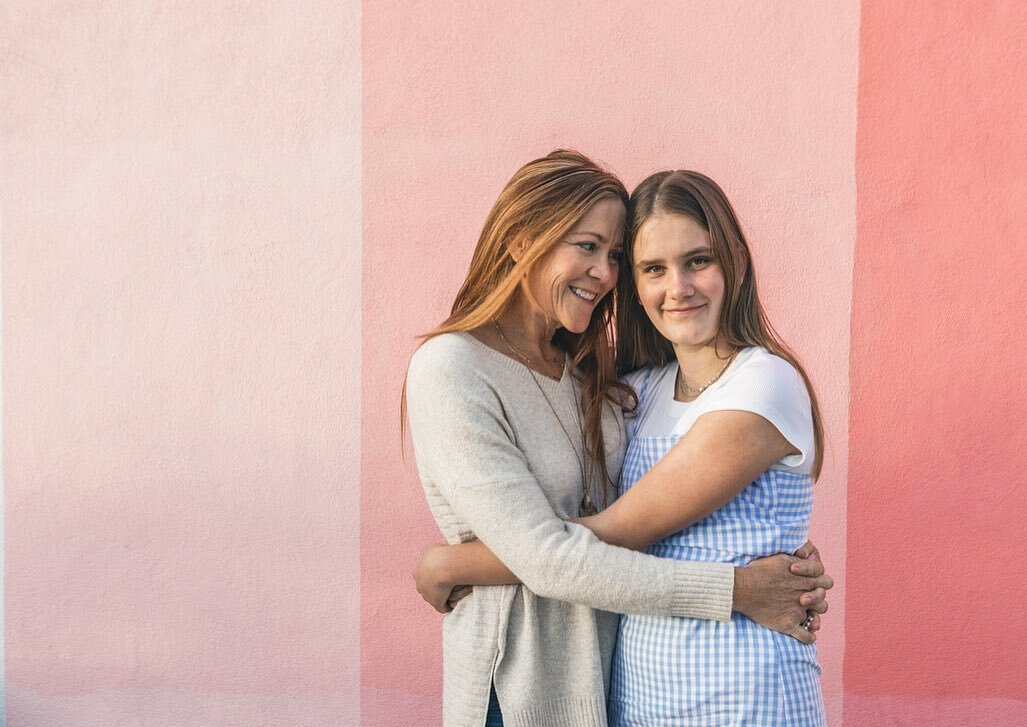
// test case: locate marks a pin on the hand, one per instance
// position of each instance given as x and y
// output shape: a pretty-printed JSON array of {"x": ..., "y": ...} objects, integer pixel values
[
  {"x": 432, "y": 582},
  {"x": 815, "y": 600},
  {"x": 458, "y": 594},
  {"x": 777, "y": 591}
]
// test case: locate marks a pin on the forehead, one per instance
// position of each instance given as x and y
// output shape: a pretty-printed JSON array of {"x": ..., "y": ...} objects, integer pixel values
[
  {"x": 604, "y": 217},
  {"x": 668, "y": 233}
]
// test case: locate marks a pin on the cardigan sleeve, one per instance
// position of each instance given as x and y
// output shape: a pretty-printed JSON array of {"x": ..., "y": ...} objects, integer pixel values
[{"x": 465, "y": 447}]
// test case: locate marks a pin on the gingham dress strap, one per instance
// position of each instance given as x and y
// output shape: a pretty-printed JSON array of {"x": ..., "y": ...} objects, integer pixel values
[{"x": 643, "y": 387}]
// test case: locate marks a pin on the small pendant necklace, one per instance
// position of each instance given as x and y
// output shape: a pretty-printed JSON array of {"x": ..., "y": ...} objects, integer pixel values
[
  {"x": 693, "y": 391},
  {"x": 587, "y": 506},
  {"x": 527, "y": 361}
]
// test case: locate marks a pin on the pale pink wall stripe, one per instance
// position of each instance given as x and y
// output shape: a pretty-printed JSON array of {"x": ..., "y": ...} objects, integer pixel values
[
  {"x": 181, "y": 362},
  {"x": 3, "y": 497},
  {"x": 455, "y": 99}
]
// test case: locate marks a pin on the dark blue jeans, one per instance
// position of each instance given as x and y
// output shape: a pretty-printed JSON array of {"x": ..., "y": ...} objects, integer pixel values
[{"x": 494, "y": 718}]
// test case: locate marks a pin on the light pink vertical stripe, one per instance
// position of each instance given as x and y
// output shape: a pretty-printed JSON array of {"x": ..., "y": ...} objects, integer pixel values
[
  {"x": 456, "y": 98},
  {"x": 181, "y": 362}
]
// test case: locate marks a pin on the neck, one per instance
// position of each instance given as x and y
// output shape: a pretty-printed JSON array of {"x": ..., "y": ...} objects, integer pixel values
[
  {"x": 699, "y": 364},
  {"x": 528, "y": 328}
]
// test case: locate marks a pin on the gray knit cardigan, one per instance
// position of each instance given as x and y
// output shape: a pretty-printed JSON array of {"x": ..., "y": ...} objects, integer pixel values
[{"x": 496, "y": 465}]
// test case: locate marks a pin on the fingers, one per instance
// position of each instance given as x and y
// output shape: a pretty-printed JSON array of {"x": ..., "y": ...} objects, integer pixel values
[
  {"x": 434, "y": 597},
  {"x": 801, "y": 634},
  {"x": 437, "y": 599},
  {"x": 806, "y": 550},
  {"x": 458, "y": 594},
  {"x": 811, "y": 567},
  {"x": 815, "y": 600},
  {"x": 815, "y": 624}
]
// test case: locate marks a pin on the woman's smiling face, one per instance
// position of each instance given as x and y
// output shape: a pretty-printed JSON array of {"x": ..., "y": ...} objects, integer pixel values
[
  {"x": 680, "y": 284},
  {"x": 568, "y": 282}
]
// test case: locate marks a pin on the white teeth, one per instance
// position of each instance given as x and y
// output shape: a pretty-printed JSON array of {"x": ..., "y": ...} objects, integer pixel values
[{"x": 583, "y": 294}]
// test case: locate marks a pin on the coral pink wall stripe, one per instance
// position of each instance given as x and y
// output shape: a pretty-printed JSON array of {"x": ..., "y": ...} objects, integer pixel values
[
  {"x": 181, "y": 255},
  {"x": 936, "y": 496},
  {"x": 456, "y": 98}
]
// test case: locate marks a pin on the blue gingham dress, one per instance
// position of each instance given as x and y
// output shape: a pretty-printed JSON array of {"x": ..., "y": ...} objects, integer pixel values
[{"x": 670, "y": 670}]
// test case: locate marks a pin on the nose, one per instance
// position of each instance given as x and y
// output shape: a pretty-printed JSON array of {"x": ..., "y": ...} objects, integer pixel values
[
  {"x": 681, "y": 285},
  {"x": 603, "y": 271}
]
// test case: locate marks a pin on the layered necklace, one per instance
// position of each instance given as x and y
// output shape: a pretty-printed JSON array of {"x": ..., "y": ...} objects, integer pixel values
[
  {"x": 587, "y": 506},
  {"x": 527, "y": 361},
  {"x": 691, "y": 392}
]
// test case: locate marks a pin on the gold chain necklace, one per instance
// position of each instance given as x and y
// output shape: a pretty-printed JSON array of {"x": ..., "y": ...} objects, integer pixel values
[
  {"x": 692, "y": 392},
  {"x": 587, "y": 506},
  {"x": 517, "y": 352}
]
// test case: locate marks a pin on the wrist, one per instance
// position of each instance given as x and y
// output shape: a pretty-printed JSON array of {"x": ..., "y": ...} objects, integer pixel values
[
  {"x": 442, "y": 566},
  {"x": 740, "y": 595}
]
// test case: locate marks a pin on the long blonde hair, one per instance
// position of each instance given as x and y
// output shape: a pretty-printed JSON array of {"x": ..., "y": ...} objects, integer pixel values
[
  {"x": 742, "y": 319},
  {"x": 540, "y": 204}
]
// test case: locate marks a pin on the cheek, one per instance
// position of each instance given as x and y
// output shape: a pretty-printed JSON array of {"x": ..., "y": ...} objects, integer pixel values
[
  {"x": 717, "y": 293},
  {"x": 716, "y": 285},
  {"x": 646, "y": 296}
]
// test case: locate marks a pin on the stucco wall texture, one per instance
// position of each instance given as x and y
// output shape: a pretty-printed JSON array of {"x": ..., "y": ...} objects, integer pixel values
[
  {"x": 181, "y": 252},
  {"x": 224, "y": 225}
]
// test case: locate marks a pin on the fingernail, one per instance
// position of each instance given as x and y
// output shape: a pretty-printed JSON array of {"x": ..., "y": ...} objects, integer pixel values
[{"x": 806, "y": 601}]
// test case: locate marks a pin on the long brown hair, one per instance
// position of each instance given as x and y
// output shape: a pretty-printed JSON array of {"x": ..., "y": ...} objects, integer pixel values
[
  {"x": 540, "y": 204},
  {"x": 742, "y": 319}
]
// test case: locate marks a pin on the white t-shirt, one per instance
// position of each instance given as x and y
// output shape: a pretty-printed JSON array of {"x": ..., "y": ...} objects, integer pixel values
[{"x": 756, "y": 381}]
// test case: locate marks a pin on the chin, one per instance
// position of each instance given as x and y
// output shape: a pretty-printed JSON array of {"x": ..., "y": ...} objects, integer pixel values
[{"x": 577, "y": 328}]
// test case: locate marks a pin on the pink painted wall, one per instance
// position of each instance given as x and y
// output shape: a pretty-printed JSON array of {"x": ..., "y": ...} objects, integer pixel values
[
  {"x": 181, "y": 255},
  {"x": 754, "y": 98},
  {"x": 222, "y": 228},
  {"x": 934, "y": 631}
]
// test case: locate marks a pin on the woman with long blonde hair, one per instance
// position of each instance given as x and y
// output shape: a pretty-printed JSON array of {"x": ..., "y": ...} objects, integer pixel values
[{"x": 515, "y": 413}]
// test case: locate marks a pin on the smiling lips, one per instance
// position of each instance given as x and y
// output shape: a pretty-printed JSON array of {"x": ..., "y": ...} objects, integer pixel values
[
  {"x": 584, "y": 294},
  {"x": 684, "y": 311}
]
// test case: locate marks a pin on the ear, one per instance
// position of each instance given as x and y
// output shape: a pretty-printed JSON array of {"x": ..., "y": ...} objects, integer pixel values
[{"x": 517, "y": 246}]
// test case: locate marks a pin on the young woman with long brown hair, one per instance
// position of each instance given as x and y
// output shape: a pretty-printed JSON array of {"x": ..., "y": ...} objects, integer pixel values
[
  {"x": 724, "y": 449},
  {"x": 515, "y": 416}
]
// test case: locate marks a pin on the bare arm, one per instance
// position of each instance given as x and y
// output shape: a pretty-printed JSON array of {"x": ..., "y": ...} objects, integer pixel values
[
  {"x": 686, "y": 486},
  {"x": 775, "y": 592},
  {"x": 479, "y": 481},
  {"x": 720, "y": 456},
  {"x": 444, "y": 569},
  {"x": 681, "y": 489}
]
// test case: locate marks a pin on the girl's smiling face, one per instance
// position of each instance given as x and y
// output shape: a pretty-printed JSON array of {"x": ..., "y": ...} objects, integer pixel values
[{"x": 680, "y": 284}]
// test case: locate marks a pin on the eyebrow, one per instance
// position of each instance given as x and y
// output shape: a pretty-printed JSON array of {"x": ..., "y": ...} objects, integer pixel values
[
  {"x": 695, "y": 251},
  {"x": 586, "y": 232}
]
